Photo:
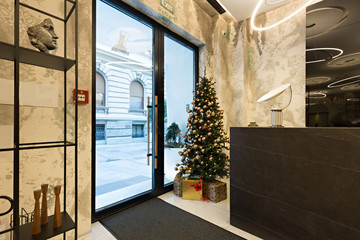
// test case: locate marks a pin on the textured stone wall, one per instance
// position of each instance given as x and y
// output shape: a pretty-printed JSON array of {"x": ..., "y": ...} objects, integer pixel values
[
  {"x": 46, "y": 123},
  {"x": 270, "y": 59}
]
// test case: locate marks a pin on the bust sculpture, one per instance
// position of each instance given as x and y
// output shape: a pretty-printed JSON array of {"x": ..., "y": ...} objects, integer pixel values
[{"x": 42, "y": 36}]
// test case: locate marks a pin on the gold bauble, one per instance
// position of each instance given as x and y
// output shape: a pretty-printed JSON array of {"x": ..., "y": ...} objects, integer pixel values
[
  {"x": 177, "y": 164},
  {"x": 196, "y": 146},
  {"x": 209, "y": 134},
  {"x": 202, "y": 163},
  {"x": 202, "y": 150},
  {"x": 181, "y": 169},
  {"x": 227, "y": 164},
  {"x": 176, "y": 169},
  {"x": 203, "y": 138}
]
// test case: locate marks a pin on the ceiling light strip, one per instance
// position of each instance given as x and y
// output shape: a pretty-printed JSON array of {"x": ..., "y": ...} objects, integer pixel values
[
  {"x": 252, "y": 21},
  {"x": 331, "y": 85},
  {"x": 324, "y": 49}
]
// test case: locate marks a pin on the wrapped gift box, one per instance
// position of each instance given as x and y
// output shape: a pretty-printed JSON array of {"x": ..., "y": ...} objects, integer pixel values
[
  {"x": 178, "y": 185},
  {"x": 191, "y": 189},
  {"x": 214, "y": 190}
]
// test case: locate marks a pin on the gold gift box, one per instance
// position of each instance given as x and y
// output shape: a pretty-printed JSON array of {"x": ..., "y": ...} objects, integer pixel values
[{"x": 189, "y": 192}]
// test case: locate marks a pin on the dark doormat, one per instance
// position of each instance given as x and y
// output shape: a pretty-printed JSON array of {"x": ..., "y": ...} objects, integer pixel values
[{"x": 158, "y": 220}]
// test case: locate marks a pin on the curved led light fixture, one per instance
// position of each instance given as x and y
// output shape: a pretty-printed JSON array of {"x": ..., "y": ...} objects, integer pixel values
[
  {"x": 274, "y": 2},
  {"x": 317, "y": 80},
  {"x": 345, "y": 61},
  {"x": 317, "y": 95},
  {"x": 344, "y": 17},
  {"x": 252, "y": 21},
  {"x": 324, "y": 49},
  {"x": 331, "y": 85}
]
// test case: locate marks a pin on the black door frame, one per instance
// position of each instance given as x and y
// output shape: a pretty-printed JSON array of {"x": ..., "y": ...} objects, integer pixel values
[{"x": 158, "y": 90}]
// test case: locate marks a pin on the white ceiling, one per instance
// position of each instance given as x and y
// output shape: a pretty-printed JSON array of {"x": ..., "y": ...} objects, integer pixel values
[{"x": 243, "y": 9}]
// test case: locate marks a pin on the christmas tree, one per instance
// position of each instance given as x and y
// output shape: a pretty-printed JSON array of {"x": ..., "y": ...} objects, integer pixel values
[{"x": 205, "y": 140}]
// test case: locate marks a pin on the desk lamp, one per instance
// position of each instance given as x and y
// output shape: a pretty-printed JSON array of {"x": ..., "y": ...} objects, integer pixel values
[{"x": 276, "y": 111}]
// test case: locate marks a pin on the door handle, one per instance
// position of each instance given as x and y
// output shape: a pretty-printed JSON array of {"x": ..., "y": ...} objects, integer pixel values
[
  {"x": 156, "y": 130},
  {"x": 148, "y": 131}
]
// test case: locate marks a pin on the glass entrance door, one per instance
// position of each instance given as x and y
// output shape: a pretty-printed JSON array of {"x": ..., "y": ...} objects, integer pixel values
[
  {"x": 135, "y": 147},
  {"x": 124, "y": 90},
  {"x": 179, "y": 71}
]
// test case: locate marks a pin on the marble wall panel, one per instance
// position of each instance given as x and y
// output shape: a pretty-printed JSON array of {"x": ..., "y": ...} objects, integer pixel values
[
  {"x": 39, "y": 123},
  {"x": 272, "y": 58}
]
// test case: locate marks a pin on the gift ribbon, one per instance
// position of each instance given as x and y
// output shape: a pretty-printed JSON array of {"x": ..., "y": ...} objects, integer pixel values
[{"x": 197, "y": 187}]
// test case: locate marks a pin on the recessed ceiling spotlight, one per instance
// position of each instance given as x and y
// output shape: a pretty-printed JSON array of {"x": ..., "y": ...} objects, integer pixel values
[
  {"x": 325, "y": 49},
  {"x": 341, "y": 84},
  {"x": 252, "y": 21},
  {"x": 317, "y": 80},
  {"x": 346, "y": 60}
]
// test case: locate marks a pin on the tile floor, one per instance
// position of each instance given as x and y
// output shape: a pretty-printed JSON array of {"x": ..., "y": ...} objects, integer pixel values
[{"x": 216, "y": 213}]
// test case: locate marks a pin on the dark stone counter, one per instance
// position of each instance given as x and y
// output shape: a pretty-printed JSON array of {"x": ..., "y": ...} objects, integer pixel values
[{"x": 296, "y": 183}]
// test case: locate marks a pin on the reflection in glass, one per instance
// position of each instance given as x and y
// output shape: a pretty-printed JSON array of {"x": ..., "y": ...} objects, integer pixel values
[
  {"x": 179, "y": 84},
  {"x": 124, "y": 59}
]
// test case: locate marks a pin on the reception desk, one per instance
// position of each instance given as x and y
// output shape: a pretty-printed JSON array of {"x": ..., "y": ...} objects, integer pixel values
[{"x": 296, "y": 183}]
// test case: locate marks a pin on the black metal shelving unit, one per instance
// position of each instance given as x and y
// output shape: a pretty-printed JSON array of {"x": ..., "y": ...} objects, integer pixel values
[{"x": 20, "y": 55}]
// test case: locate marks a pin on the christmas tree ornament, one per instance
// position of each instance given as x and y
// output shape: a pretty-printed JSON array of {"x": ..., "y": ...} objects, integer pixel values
[{"x": 204, "y": 140}]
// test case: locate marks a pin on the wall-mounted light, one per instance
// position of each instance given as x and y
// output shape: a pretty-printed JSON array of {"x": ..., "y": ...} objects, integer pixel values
[
  {"x": 252, "y": 21},
  {"x": 340, "y": 52}
]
